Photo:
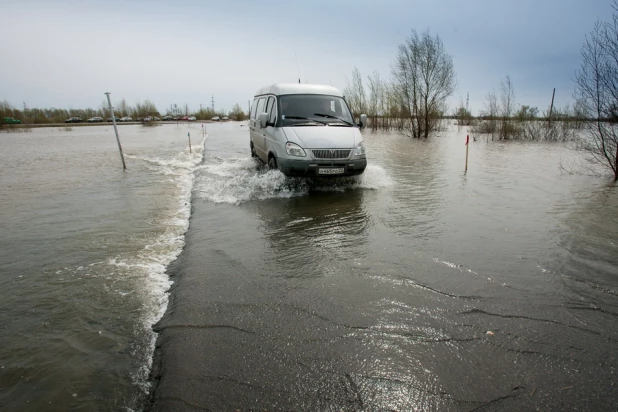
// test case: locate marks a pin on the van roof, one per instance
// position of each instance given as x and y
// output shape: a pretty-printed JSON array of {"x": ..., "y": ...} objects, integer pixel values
[{"x": 298, "y": 88}]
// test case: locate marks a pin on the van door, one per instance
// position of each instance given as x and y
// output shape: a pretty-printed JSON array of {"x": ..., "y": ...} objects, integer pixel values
[
  {"x": 252, "y": 126},
  {"x": 269, "y": 132},
  {"x": 256, "y": 132}
]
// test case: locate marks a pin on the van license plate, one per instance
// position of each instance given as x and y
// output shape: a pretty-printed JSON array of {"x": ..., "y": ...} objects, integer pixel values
[{"x": 331, "y": 170}]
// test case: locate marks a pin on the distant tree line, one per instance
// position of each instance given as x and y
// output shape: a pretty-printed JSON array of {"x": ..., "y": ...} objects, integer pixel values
[
  {"x": 140, "y": 110},
  {"x": 592, "y": 122},
  {"x": 504, "y": 119},
  {"x": 413, "y": 101},
  {"x": 235, "y": 114},
  {"x": 54, "y": 115}
]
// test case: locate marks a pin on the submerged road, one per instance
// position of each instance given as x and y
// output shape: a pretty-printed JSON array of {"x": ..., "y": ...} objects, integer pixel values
[{"x": 414, "y": 288}]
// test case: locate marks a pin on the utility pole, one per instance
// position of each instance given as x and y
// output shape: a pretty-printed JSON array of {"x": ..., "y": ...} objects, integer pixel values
[
  {"x": 111, "y": 110},
  {"x": 468, "y": 102},
  {"x": 213, "y": 102},
  {"x": 551, "y": 107}
]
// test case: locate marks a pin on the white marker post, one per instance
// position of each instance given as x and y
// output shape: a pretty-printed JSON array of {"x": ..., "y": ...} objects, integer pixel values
[
  {"x": 111, "y": 110},
  {"x": 189, "y": 135}
]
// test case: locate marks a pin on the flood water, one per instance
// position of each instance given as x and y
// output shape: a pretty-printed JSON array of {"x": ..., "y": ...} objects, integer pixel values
[
  {"x": 84, "y": 249},
  {"x": 413, "y": 287}
]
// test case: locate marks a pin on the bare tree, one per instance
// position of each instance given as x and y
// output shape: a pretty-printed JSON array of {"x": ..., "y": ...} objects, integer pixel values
[
  {"x": 123, "y": 107},
  {"x": 507, "y": 106},
  {"x": 463, "y": 115},
  {"x": 375, "y": 97},
  {"x": 145, "y": 109},
  {"x": 103, "y": 109},
  {"x": 500, "y": 108},
  {"x": 385, "y": 93},
  {"x": 355, "y": 94},
  {"x": 237, "y": 113},
  {"x": 492, "y": 112},
  {"x": 424, "y": 77},
  {"x": 596, "y": 92}
]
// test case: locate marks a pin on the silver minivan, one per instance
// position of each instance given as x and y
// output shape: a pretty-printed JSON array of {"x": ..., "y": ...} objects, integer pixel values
[{"x": 306, "y": 130}]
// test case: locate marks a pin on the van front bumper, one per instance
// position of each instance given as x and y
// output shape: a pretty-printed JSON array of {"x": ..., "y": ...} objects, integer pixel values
[{"x": 310, "y": 168}]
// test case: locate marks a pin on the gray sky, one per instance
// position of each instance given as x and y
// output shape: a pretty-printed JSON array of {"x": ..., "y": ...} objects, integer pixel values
[{"x": 66, "y": 54}]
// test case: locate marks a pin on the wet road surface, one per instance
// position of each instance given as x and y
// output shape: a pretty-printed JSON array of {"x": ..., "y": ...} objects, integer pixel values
[{"x": 415, "y": 287}]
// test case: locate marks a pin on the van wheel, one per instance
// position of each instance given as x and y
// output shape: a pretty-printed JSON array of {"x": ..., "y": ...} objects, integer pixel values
[
  {"x": 253, "y": 154},
  {"x": 272, "y": 163}
]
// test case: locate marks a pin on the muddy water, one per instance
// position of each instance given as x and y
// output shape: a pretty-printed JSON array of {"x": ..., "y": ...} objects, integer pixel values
[
  {"x": 84, "y": 248},
  {"x": 414, "y": 287}
]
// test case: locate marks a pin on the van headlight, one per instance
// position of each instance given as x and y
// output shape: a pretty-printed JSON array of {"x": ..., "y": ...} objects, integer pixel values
[
  {"x": 293, "y": 149},
  {"x": 360, "y": 150}
]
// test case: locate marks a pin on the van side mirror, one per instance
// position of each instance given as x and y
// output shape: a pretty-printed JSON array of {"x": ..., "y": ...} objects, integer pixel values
[
  {"x": 263, "y": 119},
  {"x": 363, "y": 121}
]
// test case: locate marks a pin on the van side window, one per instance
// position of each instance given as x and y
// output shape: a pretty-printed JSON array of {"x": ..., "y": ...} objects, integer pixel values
[
  {"x": 253, "y": 109},
  {"x": 271, "y": 110},
  {"x": 260, "y": 106}
]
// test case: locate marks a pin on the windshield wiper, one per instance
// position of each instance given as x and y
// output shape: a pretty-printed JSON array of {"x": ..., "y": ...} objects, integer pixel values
[
  {"x": 330, "y": 116},
  {"x": 304, "y": 118}
]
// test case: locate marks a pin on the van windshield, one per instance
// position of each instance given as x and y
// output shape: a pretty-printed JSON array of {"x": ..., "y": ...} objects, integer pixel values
[{"x": 316, "y": 109}]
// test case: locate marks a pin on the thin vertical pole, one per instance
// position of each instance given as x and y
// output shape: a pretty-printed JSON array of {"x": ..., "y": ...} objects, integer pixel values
[
  {"x": 189, "y": 135},
  {"x": 551, "y": 107},
  {"x": 111, "y": 110},
  {"x": 467, "y": 145}
]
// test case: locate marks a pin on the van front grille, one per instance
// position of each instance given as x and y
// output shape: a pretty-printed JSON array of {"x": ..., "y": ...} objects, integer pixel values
[{"x": 331, "y": 153}]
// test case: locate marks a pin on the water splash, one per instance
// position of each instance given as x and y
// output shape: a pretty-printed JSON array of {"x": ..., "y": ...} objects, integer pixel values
[{"x": 239, "y": 180}]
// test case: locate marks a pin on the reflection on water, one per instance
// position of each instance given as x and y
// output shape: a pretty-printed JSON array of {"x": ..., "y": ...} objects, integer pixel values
[
  {"x": 314, "y": 234},
  {"x": 589, "y": 249}
]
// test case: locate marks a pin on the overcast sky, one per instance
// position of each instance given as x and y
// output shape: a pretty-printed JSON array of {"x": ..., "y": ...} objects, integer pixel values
[{"x": 67, "y": 54}]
